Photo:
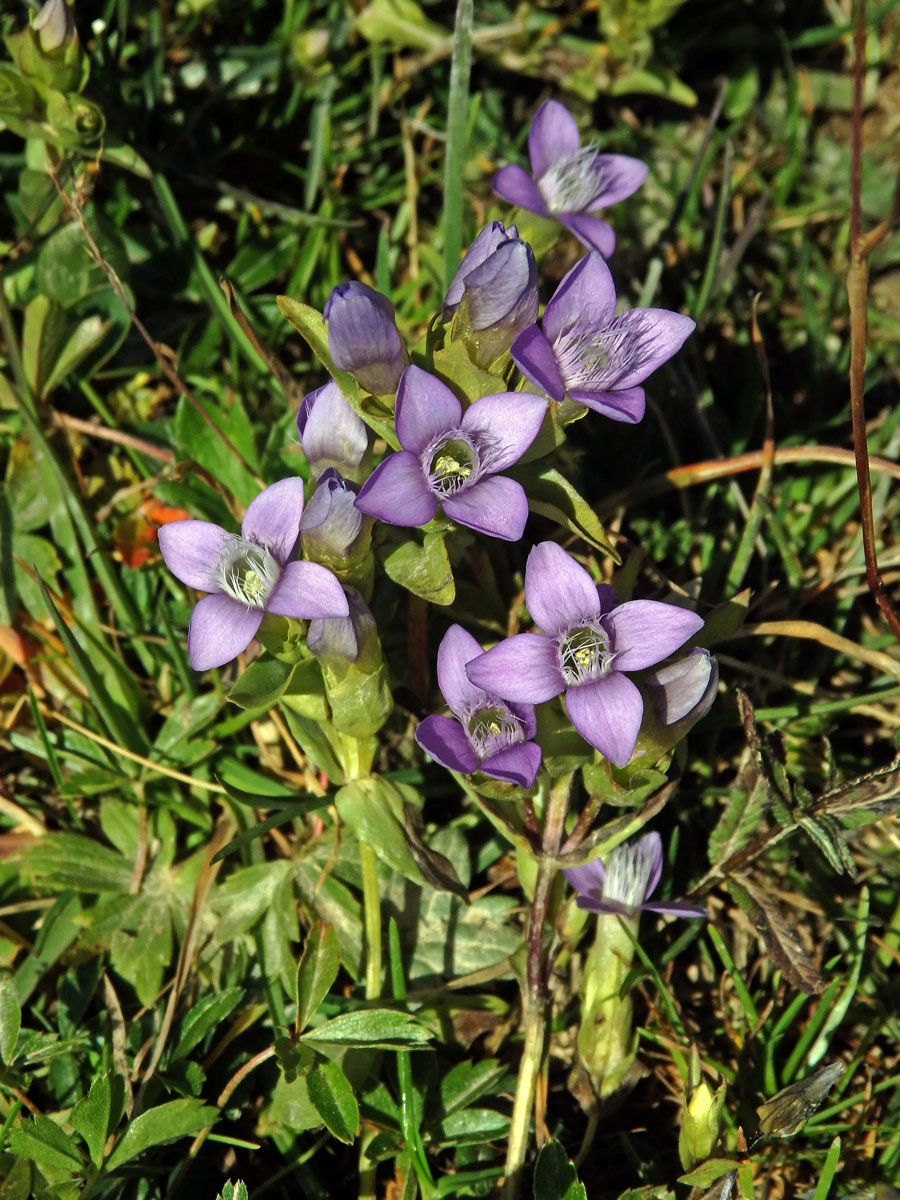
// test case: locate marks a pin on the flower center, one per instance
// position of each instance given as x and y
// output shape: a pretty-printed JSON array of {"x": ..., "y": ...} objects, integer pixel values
[
  {"x": 627, "y": 875},
  {"x": 574, "y": 183},
  {"x": 583, "y": 653},
  {"x": 248, "y": 572},
  {"x": 596, "y": 359},
  {"x": 451, "y": 464},
  {"x": 491, "y": 727}
]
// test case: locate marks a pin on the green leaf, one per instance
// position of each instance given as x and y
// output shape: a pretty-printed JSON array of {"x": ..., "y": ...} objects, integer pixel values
[
  {"x": 261, "y": 684},
  {"x": 551, "y": 495},
  {"x": 90, "y": 1117},
  {"x": 402, "y": 24},
  {"x": 332, "y": 1095},
  {"x": 467, "y": 1082},
  {"x": 69, "y": 860},
  {"x": 555, "y": 1177},
  {"x": 422, "y": 567},
  {"x": 233, "y": 1191},
  {"x": 44, "y": 1142},
  {"x": 455, "y": 367},
  {"x": 159, "y": 1126},
  {"x": 204, "y": 1016},
  {"x": 316, "y": 971},
  {"x": 10, "y": 1020},
  {"x": 376, "y": 1028},
  {"x": 374, "y": 809},
  {"x": 708, "y": 1172},
  {"x": 195, "y": 441},
  {"x": 472, "y": 1127}
]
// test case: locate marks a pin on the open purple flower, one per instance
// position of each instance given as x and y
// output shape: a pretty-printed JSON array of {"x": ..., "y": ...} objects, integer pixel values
[
  {"x": 247, "y": 576},
  {"x": 568, "y": 181},
  {"x": 363, "y": 337},
  {"x": 631, "y": 874},
  {"x": 331, "y": 434},
  {"x": 585, "y": 350},
  {"x": 451, "y": 459},
  {"x": 589, "y": 641},
  {"x": 488, "y": 735}
]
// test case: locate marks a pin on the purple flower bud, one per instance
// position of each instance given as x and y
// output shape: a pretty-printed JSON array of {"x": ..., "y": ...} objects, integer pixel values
[
  {"x": 363, "y": 337},
  {"x": 685, "y": 690},
  {"x": 331, "y": 433},
  {"x": 494, "y": 293},
  {"x": 55, "y": 25},
  {"x": 333, "y": 530},
  {"x": 353, "y": 637}
]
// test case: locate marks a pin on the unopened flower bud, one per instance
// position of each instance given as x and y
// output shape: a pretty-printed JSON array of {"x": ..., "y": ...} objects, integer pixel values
[
  {"x": 353, "y": 668},
  {"x": 352, "y": 637},
  {"x": 494, "y": 294},
  {"x": 363, "y": 337},
  {"x": 331, "y": 434},
  {"x": 685, "y": 688},
  {"x": 701, "y": 1118},
  {"x": 54, "y": 25},
  {"x": 334, "y": 531}
]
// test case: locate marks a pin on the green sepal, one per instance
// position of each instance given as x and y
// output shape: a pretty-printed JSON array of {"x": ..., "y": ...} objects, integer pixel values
[
  {"x": 283, "y": 637},
  {"x": 269, "y": 679},
  {"x": 623, "y": 787},
  {"x": 360, "y": 699},
  {"x": 66, "y": 69},
  {"x": 454, "y": 365}
]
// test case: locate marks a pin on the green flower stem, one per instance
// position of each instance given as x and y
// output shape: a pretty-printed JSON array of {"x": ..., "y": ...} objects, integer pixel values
[{"x": 535, "y": 996}]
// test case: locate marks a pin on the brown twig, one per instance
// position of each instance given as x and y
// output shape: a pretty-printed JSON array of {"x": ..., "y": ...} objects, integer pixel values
[
  {"x": 95, "y": 430},
  {"x": 861, "y": 247}
]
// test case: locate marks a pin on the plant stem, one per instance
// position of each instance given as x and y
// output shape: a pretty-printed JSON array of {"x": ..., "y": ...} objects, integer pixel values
[{"x": 534, "y": 997}]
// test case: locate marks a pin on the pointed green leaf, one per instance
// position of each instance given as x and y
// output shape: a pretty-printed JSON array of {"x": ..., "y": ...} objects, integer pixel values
[
  {"x": 422, "y": 567},
  {"x": 10, "y": 1019},
  {"x": 555, "y": 1177},
  {"x": 44, "y": 1142},
  {"x": 376, "y": 1028},
  {"x": 204, "y": 1016},
  {"x": 90, "y": 1117},
  {"x": 550, "y": 494},
  {"x": 374, "y": 810},
  {"x": 331, "y": 1093},
  {"x": 316, "y": 972},
  {"x": 158, "y": 1126}
]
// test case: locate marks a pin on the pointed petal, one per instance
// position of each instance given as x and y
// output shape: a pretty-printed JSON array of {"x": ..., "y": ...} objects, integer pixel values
[
  {"x": 519, "y": 764},
  {"x": 642, "y": 632},
  {"x": 396, "y": 492},
  {"x": 426, "y": 408},
  {"x": 273, "y": 518},
  {"x": 447, "y": 744},
  {"x": 649, "y": 847},
  {"x": 220, "y": 629},
  {"x": 593, "y": 232},
  {"x": 627, "y": 405},
  {"x": 677, "y": 908},
  {"x": 559, "y": 592},
  {"x": 516, "y": 186},
  {"x": 622, "y": 176},
  {"x": 495, "y": 505},
  {"x": 587, "y": 879},
  {"x": 534, "y": 357},
  {"x": 457, "y": 648},
  {"x": 192, "y": 549},
  {"x": 307, "y": 590},
  {"x": 661, "y": 334},
  {"x": 607, "y": 713},
  {"x": 586, "y": 297},
  {"x": 553, "y": 134},
  {"x": 508, "y": 422},
  {"x": 520, "y": 668},
  {"x": 330, "y": 431}
]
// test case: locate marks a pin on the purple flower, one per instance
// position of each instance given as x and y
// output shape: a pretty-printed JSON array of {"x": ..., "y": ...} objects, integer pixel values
[
  {"x": 587, "y": 351},
  {"x": 247, "y": 576},
  {"x": 488, "y": 735},
  {"x": 363, "y": 337},
  {"x": 685, "y": 689},
  {"x": 332, "y": 526},
  {"x": 494, "y": 291},
  {"x": 568, "y": 181},
  {"x": 331, "y": 434},
  {"x": 590, "y": 641},
  {"x": 450, "y": 458},
  {"x": 631, "y": 874}
]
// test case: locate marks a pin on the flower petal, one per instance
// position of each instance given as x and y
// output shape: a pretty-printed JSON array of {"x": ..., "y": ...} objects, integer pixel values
[
  {"x": 593, "y": 232},
  {"x": 330, "y": 431},
  {"x": 447, "y": 744},
  {"x": 586, "y": 297},
  {"x": 649, "y": 848},
  {"x": 457, "y": 648},
  {"x": 307, "y": 590},
  {"x": 677, "y": 908},
  {"x": 495, "y": 505},
  {"x": 273, "y": 518},
  {"x": 622, "y": 176},
  {"x": 396, "y": 492},
  {"x": 534, "y": 357},
  {"x": 607, "y": 713},
  {"x": 587, "y": 879},
  {"x": 508, "y": 422},
  {"x": 642, "y": 632},
  {"x": 559, "y": 592},
  {"x": 521, "y": 668},
  {"x": 220, "y": 629},
  {"x": 661, "y": 334},
  {"x": 553, "y": 135},
  {"x": 627, "y": 405},
  {"x": 519, "y": 764},
  {"x": 516, "y": 186},
  {"x": 192, "y": 549},
  {"x": 425, "y": 409}
]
